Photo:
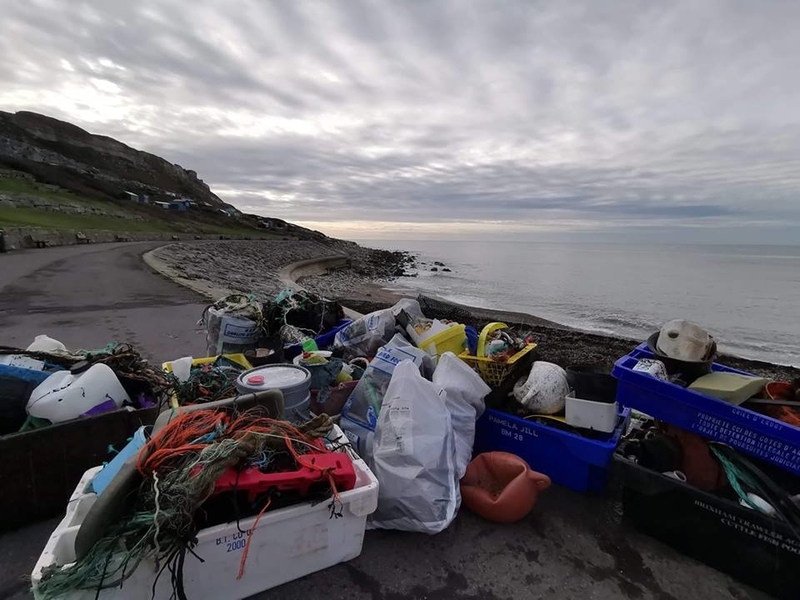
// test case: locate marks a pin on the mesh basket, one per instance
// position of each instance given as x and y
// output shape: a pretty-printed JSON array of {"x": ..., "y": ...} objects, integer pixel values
[{"x": 495, "y": 372}]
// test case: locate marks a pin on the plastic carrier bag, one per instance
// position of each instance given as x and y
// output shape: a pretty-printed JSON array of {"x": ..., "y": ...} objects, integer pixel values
[
  {"x": 465, "y": 401},
  {"x": 414, "y": 456},
  {"x": 360, "y": 412},
  {"x": 365, "y": 335}
]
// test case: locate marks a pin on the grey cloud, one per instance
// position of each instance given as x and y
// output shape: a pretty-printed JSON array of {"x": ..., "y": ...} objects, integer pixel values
[{"x": 437, "y": 111}]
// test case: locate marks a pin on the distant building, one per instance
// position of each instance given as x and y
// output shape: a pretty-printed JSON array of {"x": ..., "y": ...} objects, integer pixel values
[
  {"x": 177, "y": 205},
  {"x": 131, "y": 196},
  {"x": 164, "y": 205}
]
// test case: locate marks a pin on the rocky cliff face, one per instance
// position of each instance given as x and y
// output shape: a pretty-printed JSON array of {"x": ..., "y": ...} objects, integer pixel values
[{"x": 65, "y": 155}]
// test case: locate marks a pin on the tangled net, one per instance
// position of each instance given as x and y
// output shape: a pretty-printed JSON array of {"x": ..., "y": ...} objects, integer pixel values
[{"x": 180, "y": 465}]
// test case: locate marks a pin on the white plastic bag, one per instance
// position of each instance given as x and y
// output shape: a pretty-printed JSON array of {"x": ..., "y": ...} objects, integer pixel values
[
  {"x": 545, "y": 390},
  {"x": 414, "y": 456},
  {"x": 365, "y": 335},
  {"x": 360, "y": 412},
  {"x": 465, "y": 393}
]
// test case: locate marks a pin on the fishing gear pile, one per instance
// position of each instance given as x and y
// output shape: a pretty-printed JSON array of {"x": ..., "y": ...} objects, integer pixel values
[{"x": 180, "y": 468}]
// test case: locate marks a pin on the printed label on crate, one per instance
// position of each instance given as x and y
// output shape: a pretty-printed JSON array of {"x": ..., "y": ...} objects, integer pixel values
[
  {"x": 511, "y": 430},
  {"x": 764, "y": 534},
  {"x": 758, "y": 444},
  {"x": 235, "y": 542}
]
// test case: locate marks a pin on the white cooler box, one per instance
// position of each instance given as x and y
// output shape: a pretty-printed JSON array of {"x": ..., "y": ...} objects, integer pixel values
[{"x": 288, "y": 544}]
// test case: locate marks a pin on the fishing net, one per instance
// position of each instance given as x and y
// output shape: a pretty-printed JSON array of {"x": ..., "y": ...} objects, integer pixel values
[{"x": 180, "y": 466}]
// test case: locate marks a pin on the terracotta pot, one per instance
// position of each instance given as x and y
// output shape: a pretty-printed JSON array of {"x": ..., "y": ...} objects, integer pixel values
[{"x": 501, "y": 487}]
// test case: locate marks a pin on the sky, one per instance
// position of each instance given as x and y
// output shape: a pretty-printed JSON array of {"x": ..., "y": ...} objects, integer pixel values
[{"x": 464, "y": 119}]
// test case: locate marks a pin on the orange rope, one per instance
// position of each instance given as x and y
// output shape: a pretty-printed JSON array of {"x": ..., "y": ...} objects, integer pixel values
[{"x": 243, "y": 561}]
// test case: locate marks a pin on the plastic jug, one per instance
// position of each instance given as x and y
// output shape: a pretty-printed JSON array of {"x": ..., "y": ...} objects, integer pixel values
[{"x": 64, "y": 396}]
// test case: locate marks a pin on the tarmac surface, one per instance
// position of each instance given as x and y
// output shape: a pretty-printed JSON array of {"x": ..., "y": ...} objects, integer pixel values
[{"x": 571, "y": 546}]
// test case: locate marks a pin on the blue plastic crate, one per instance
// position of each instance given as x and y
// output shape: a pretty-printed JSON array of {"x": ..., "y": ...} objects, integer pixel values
[
  {"x": 571, "y": 460},
  {"x": 761, "y": 436},
  {"x": 324, "y": 340}
]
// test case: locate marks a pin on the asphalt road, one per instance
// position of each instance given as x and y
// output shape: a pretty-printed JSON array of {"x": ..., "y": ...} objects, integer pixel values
[{"x": 570, "y": 547}]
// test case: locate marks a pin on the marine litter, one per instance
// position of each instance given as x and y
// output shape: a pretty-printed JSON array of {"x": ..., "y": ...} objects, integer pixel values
[{"x": 225, "y": 475}]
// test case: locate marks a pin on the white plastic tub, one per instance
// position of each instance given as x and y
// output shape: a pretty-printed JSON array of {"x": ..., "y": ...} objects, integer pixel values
[
  {"x": 589, "y": 414},
  {"x": 288, "y": 544}
]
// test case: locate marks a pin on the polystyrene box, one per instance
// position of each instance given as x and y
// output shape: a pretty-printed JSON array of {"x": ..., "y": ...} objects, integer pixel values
[{"x": 289, "y": 543}]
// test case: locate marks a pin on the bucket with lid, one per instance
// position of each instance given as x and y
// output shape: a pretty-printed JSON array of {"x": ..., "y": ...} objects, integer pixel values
[{"x": 292, "y": 380}]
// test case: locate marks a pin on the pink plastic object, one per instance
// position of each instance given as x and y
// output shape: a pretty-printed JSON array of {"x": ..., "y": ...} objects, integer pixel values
[{"x": 501, "y": 487}]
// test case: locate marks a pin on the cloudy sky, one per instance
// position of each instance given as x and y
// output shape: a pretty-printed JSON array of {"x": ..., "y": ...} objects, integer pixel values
[{"x": 523, "y": 120}]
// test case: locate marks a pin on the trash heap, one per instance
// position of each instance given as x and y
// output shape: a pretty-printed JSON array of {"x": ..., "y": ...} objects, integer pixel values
[
  {"x": 47, "y": 384},
  {"x": 393, "y": 419}
]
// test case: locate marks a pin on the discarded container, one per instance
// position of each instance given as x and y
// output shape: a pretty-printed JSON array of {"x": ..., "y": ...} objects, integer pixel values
[
  {"x": 576, "y": 462},
  {"x": 501, "y": 487},
  {"x": 292, "y": 380},
  {"x": 64, "y": 396},
  {"x": 16, "y": 385},
  {"x": 591, "y": 414},
  {"x": 494, "y": 372},
  {"x": 766, "y": 438},
  {"x": 592, "y": 382},
  {"x": 453, "y": 339},
  {"x": 40, "y": 467},
  {"x": 752, "y": 547},
  {"x": 289, "y": 543}
]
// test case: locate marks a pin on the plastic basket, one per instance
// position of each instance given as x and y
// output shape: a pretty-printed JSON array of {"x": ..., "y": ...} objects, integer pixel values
[{"x": 491, "y": 371}]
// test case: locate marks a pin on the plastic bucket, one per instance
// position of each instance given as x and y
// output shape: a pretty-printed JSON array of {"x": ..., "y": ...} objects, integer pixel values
[
  {"x": 592, "y": 382},
  {"x": 292, "y": 380}
]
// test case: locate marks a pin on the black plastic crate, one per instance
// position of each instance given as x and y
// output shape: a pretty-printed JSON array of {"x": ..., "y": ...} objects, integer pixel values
[{"x": 749, "y": 546}]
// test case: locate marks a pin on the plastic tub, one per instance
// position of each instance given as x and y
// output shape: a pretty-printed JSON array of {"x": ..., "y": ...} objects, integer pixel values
[
  {"x": 289, "y": 543},
  {"x": 576, "y": 462},
  {"x": 591, "y": 414},
  {"x": 453, "y": 339},
  {"x": 292, "y": 380},
  {"x": 756, "y": 434}
]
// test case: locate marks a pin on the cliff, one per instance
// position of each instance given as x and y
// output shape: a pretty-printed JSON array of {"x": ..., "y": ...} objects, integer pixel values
[{"x": 65, "y": 155}]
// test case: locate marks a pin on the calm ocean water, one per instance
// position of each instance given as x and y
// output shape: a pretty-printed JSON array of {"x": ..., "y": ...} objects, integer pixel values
[{"x": 748, "y": 297}]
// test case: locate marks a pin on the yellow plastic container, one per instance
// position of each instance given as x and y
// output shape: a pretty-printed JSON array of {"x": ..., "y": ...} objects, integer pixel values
[
  {"x": 453, "y": 339},
  {"x": 239, "y": 359},
  {"x": 493, "y": 372}
]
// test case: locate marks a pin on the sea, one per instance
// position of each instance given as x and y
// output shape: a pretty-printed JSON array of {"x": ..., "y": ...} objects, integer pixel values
[{"x": 747, "y": 297}]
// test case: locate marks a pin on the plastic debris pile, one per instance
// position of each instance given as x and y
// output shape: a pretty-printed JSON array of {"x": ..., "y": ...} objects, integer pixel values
[{"x": 439, "y": 411}]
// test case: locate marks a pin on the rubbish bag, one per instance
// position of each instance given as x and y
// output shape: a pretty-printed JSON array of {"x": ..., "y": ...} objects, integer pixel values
[
  {"x": 365, "y": 335},
  {"x": 360, "y": 412},
  {"x": 232, "y": 325},
  {"x": 465, "y": 393},
  {"x": 545, "y": 390},
  {"x": 414, "y": 456}
]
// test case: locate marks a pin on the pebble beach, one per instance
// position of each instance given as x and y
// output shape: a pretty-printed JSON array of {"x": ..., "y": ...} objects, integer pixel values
[{"x": 254, "y": 267}]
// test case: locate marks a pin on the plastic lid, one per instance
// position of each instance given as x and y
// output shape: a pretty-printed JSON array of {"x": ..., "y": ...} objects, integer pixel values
[{"x": 278, "y": 376}]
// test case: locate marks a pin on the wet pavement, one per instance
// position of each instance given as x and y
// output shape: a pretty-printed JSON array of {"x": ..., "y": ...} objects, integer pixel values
[{"x": 570, "y": 547}]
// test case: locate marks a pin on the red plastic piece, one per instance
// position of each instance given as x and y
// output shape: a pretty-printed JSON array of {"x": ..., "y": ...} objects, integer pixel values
[
  {"x": 255, "y": 379},
  {"x": 254, "y": 482}
]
